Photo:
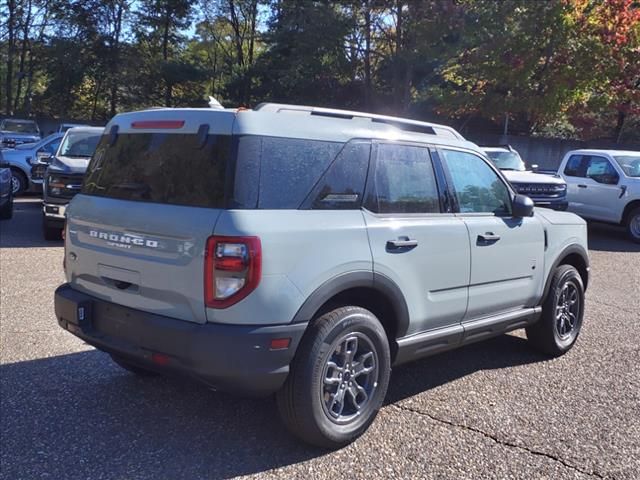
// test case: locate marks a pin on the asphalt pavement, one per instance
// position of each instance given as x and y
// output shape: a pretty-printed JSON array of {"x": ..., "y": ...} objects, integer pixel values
[{"x": 491, "y": 410}]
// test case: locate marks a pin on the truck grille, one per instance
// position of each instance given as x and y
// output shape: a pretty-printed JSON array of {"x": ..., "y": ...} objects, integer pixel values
[
  {"x": 63, "y": 186},
  {"x": 540, "y": 190}
]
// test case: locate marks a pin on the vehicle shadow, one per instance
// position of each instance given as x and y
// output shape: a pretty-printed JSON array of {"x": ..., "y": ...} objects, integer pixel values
[
  {"x": 77, "y": 415},
  {"x": 610, "y": 238},
  {"x": 24, "y": 229}
]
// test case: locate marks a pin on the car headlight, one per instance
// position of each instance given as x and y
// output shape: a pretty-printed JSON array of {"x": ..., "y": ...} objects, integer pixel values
[
  {"x": 55, "y": 185},
  {"x": 560, "y": 188}
]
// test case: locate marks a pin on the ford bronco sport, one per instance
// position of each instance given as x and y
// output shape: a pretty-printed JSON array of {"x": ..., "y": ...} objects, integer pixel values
[{"x": 303, "y": 251}]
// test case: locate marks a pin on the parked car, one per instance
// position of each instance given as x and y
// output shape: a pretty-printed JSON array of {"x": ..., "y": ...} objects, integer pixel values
[
  {"x": 63, "y": 176},
  {"x": 6, "y": 193},
  {"x": 545, "y": 190},
  {"x": 66, "y": 126},
  {"x": 16, "y": 132},
  {"x": 304, "y": 251},
  {"x": 24, "y": 157},
  {"x": 604, "y": 185}
]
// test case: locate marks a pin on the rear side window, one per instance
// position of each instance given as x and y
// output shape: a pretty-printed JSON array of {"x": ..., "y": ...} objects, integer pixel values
[
  {"x": 342, "y": 185},
  {"x": 574, "y": 166},
  {"x": 404, "y": 181},
  {"x": 288, "y": 168},
  {"x": 178, "y": 169}
]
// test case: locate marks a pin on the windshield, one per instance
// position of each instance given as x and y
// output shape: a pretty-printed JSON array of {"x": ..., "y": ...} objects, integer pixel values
[
  {"x": 630, "y": 164},
  {"x": 507, "y": 161},
  {"x": 79, "y": 145},
  {"x": 18, "y": 126}
]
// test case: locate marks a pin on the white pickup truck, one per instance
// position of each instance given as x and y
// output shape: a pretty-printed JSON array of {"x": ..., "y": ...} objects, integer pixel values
[{"x": 604, "y": 185}]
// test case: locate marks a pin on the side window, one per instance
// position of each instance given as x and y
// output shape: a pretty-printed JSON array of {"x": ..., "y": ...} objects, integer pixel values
[
  {"x": 51, "y": 147},
  {"x": 601, "y": 170},
  {"x": 404, "y": 181},
  {"x": 573, "y": 167},
  {"x": 342, "y": 185},
  {"x": 478, "y": 188}
]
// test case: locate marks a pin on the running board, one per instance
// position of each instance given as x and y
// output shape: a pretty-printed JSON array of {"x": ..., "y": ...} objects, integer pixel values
[{"x": 447, "y": 338}]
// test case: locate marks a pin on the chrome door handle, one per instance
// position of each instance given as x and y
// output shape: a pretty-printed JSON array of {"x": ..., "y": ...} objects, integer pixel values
[
  {"x": 488, "y": 237},
  {"x": 401, "y": 242}
]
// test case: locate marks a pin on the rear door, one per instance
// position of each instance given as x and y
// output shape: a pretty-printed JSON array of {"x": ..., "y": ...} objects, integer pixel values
[
  {"x": 507, "y": 253},
  {"x": 151, "y": 198},
  {"x": 414, "y": 240}
]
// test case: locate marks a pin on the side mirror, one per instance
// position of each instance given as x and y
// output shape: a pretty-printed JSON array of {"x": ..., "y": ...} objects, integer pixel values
[
  {"x": 522, "y": 206},
  {"x": 44, "y": 157}
]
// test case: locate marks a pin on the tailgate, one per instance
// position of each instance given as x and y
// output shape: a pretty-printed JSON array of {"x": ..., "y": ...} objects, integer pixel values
[{"x": 146, "y": 256}]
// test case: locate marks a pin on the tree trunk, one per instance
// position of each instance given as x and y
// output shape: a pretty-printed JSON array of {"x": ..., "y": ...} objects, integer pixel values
[
  {"x": 115, "y": 58},
  {"x": 622, "y": 116},
  {"x": 23, "y": 55},
  {"x": 165, "y": 55},
  {"x": 367, "y": 54},
  {"x": 11, "y": 45}
]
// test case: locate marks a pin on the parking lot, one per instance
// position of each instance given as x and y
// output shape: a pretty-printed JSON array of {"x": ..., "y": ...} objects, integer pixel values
[{"x": 491, "y": 410}]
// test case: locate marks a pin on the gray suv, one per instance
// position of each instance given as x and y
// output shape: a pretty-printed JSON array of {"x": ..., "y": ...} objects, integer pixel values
[{"x": 304, "y": 252}]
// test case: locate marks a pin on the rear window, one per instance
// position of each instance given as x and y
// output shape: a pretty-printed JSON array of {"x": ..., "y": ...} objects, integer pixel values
[
  {"x": 179, "y": 169},
  {"x": 221, "y": 172}
]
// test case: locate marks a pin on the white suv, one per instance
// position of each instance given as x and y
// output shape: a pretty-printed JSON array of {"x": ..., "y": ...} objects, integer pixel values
[{"x": 604, "y": 185}]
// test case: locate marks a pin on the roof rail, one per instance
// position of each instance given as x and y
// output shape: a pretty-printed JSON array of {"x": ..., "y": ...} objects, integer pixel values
[
  {"x": 500, "y": 145},
  {"x": 397, "y": 122}
]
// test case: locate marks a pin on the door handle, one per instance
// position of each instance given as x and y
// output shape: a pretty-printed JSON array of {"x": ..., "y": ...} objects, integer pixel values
[
  {"x": 402, "y": 242},
  {"x": 581, "y": 186},
  {"x": 488, "y": 237}
]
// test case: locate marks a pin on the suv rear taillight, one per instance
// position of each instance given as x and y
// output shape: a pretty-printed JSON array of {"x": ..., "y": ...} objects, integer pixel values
[{"x": 232, "y": 269}]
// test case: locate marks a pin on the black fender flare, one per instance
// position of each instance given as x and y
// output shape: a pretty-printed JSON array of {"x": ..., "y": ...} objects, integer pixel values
[
  {"x": 571, "y": 249},
  {"x": 357, "y": 279}
]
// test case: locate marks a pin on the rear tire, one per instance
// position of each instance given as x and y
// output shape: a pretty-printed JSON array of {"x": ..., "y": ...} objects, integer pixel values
[
  {"x": 50, "y": 233},
  {"x": 562, "y": 313},
  {"x": 19, "y": 182},
  {"x": 633, "y": 225},
  {"x": 338, "y": 378},
  {"x": 130, "y": 367}
]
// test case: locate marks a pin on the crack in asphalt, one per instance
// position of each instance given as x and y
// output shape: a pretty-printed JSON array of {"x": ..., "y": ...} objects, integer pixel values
[{"x": 501, "y": 442}]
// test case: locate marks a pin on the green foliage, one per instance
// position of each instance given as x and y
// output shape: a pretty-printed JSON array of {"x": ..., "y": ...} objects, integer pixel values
[{"x": 567, "y": 68}]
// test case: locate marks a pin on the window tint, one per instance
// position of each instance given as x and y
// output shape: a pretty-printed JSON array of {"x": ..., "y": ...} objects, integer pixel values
[
  {"x": 477, "y": 187},
  {"x": 288, "y": 168},
  {"x": 573, "y": 167},
  {"x": 159, "y": 167},
  {"x": 342, "y": 186},
  {"x": 404, "y": 181},
  {"x": 601, "y": 170},
  {"x": 51, "y": 147}
]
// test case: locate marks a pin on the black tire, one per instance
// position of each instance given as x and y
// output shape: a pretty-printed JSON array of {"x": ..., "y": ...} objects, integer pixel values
[
  {"x": 50, "y": 232},
  {"x": 6, "y": 212},
  {"x": 19, "y": 182},
  {"x": 558, "y": 328},
  {"x": 140, "y": 371},
  {"x": 304, "y": 402},
  {"x": 633, "y": 225}
]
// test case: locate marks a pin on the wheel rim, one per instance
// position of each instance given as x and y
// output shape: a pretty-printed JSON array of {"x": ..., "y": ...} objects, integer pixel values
[
  {"x": 350, "y": 378},
  {"x": 567, "y": 311},
  {"x": 634, "y": 226},
  {"x": 15, "y": 184}
]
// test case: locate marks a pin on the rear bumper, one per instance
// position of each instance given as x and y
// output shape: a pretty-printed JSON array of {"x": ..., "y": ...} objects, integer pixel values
[{"x": 231, "y": 358}]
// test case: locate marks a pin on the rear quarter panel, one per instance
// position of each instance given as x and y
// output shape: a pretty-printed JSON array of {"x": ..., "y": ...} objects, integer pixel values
[{"x": 301, "y": 250}]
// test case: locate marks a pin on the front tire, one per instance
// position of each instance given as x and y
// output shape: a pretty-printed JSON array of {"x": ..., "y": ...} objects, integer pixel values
[
  {"x": 50, "y": 232},
  {"x": 633, "y": 225},
  {"x": 562, "y": 313},
  {"x": 6, "y": 212},
  {"x": 338, "y": 379}
]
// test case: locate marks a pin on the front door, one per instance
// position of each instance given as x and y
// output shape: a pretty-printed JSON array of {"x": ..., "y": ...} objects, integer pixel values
[
  {"x": 413, "y": 243},
  {"x": 507, "y": 253}
]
